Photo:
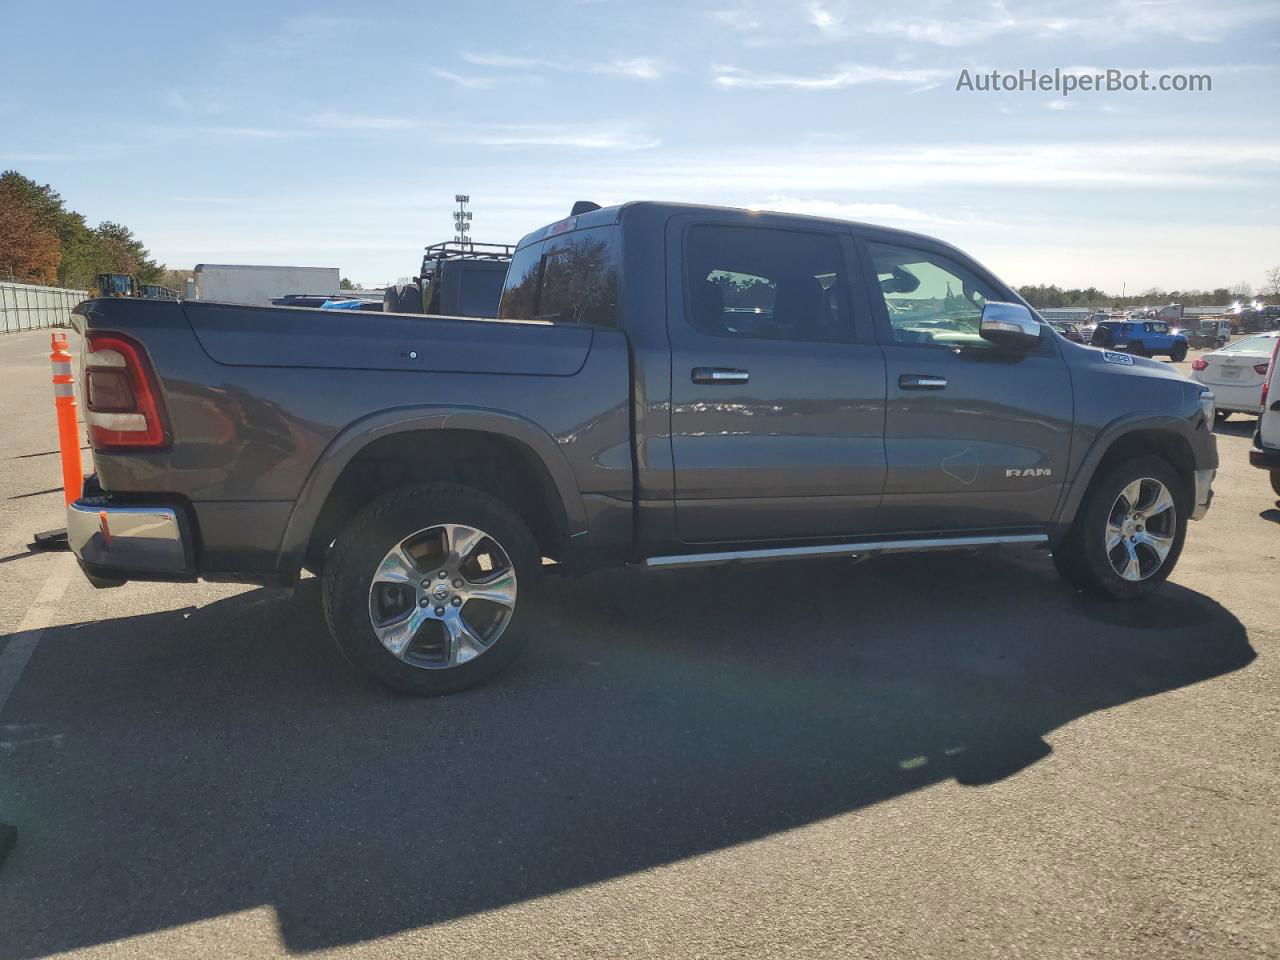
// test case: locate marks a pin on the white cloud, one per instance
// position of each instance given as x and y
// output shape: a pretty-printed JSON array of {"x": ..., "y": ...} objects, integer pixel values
[
  {"x": 894, "y": 213},
  {"x": 334, "y": 120},
  {"x": 554, "y": 135},
  {"x": 848, "y": 75},
  {"x": 951, "y": 23},
  {"x": 737, "y": 18},
  {"x": 248, "y": 133},
  {"x": 822, "y": 17},
  {"x": 747, "y": 174},
  {"x": 638, "y": 68},
  {"x": 461, "y": 80}
]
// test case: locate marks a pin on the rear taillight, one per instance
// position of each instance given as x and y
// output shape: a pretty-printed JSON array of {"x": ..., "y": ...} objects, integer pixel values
[
  {"x": 122, "y": 404},
  {"x": 1199, "y": 363},
  {"x": 1259, "y": 368},
  {"x": 1275, "y": 351}
]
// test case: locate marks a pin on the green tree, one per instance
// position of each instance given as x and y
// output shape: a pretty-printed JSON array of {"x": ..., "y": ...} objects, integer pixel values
[
  {"x": 121, "y": 252},
  {"x": 84, "y": 251}
]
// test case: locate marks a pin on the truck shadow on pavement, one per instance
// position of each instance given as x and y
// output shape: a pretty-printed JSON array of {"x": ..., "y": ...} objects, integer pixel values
[{"x": 182, "y": 765}]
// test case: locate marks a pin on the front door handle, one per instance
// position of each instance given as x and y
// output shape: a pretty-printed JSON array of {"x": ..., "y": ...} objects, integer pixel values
[
  {"x": 719, "y": 375},
  {"x": 921, "y": 381}
]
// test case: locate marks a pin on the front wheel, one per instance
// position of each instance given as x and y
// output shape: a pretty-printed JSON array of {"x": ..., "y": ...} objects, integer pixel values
[
  {"x": 424, "y": 586},
  {"x": 1178, "y": 353},
  {"x": 1128, "y": 532}
]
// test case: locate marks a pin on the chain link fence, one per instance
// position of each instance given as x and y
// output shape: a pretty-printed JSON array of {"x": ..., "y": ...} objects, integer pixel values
[{"x": 24, "y": 306}]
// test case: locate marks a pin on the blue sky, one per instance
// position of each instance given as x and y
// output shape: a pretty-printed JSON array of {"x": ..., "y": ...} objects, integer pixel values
[{"x": 337, "y": 135}]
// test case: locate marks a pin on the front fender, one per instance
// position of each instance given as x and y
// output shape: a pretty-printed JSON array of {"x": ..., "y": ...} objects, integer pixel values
[
  {"x": 1195, "y": 432},
  {"x": 356, "y": 436}
]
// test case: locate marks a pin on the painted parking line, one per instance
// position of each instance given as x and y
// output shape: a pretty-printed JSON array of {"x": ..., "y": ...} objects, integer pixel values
[{"x": 38, "y": 618}]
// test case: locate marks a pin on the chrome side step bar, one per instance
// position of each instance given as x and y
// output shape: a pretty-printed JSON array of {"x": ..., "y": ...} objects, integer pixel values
[{"x": 840, "y": 550}]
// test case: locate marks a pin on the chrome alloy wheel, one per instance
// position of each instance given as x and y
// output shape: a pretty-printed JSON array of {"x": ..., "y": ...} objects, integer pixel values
[
  {"x": 442, "y": 596},
  {"x": 1140, "y": 529}
]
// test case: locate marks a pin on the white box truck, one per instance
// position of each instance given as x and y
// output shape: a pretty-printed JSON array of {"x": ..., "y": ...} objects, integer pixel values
[{"x": 244, "y": 283}]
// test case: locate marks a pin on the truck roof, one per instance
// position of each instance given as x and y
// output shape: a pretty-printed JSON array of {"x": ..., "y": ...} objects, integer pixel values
[{"x": 614, "y": 214}]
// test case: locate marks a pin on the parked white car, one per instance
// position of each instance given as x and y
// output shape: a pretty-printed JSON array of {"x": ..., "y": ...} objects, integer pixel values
[
  {"x": 1266, "y": 442},
  {"x": 1237, "y": 372}
]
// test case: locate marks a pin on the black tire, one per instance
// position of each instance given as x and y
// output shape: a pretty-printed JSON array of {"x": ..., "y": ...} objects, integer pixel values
[
  {"x": 367, "y": 539},
  {"x": 1138, "y": 350},
  {"x": 1275, "y": 481},
  {"x": 402, "y": 298},
  {"x": 1179, "y": 353},
  {"x": 1081, "y": 558}
]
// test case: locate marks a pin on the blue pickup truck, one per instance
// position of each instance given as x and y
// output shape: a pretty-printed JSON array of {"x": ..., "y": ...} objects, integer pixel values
[{"x": 1146, "y": 338}]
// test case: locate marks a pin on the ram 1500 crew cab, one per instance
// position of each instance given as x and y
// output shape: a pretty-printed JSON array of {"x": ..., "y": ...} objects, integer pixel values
[{"x": 665, "y": 385}]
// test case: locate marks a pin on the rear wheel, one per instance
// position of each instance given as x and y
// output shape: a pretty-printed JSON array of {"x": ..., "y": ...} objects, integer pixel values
[
  {"x": 1128, "y": 532},
  {"x": 1138, "y": 350},
  {"x": 421, "y": 588}
]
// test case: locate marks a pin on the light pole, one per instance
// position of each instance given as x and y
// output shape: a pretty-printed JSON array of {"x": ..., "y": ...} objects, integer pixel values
[{"x": 461, "y": 218}]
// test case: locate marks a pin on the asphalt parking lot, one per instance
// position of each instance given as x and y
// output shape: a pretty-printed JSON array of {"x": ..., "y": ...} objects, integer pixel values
[{"x": 944, "y": 756}]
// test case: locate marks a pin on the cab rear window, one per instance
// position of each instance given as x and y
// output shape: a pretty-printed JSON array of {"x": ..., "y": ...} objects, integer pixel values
[{"x": 572, "y": 278}]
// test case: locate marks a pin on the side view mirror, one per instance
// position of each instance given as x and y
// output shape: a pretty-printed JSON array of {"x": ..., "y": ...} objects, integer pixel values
[{"x": 1009, "y": 325}]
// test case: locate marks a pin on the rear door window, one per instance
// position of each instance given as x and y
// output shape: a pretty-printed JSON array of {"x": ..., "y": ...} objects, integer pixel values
[
  {"x": 768, "y": 284},
  {"x": 567, "y": 279}
]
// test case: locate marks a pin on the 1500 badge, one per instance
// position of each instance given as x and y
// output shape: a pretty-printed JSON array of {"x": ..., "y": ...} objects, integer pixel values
[{"x": 1121, "y": 358}]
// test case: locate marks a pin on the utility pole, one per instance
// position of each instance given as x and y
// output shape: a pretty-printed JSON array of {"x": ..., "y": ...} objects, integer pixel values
[{"x": 461, "y": 218}]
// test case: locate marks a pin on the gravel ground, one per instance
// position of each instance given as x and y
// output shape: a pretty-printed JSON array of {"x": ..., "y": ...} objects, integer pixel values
[{"x": 931, "y": 756}]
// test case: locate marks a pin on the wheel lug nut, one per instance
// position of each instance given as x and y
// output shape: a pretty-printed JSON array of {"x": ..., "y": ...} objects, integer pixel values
[
  {"x": 457, "y": 601},
  {"x": 424, "y": 602},
  {"x": 457, "y": 584},
  {"x": 425, "y": 584},
  {"x": 444, "y": 574},
  {"x": 439, "y": 611}
]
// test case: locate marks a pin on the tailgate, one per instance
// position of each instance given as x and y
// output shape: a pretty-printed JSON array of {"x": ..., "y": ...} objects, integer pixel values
[{"x": 240, "y": 335}]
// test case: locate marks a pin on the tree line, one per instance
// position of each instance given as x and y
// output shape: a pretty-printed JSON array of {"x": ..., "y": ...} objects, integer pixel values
[
  {"x": 1041, "y": 296},
  {"x": 43, "y": 242}
]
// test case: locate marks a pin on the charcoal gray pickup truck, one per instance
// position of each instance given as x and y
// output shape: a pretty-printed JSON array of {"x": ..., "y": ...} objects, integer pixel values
[{"x": 665, "y": 385}]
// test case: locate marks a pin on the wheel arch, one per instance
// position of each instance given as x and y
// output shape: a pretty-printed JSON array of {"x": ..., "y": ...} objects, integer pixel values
[
  {"x": 1166, "y": 437},
  {"x": 428, "y": 439}
]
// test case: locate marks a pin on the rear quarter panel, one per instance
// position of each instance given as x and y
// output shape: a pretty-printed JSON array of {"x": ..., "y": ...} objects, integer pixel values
[{"x": 257, "y": 397}]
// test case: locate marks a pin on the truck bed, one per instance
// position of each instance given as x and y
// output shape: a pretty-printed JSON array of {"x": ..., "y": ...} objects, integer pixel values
[{"x": 261, "y": 401}]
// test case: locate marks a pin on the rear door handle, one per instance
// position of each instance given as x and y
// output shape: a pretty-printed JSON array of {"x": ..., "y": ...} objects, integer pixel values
[
  {"x": 719, "y": 375},
  {"x": 921, "y": 381}
]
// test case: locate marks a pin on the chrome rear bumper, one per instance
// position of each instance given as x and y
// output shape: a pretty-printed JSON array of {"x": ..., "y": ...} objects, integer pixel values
[{"x": 129, "y": 541}]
